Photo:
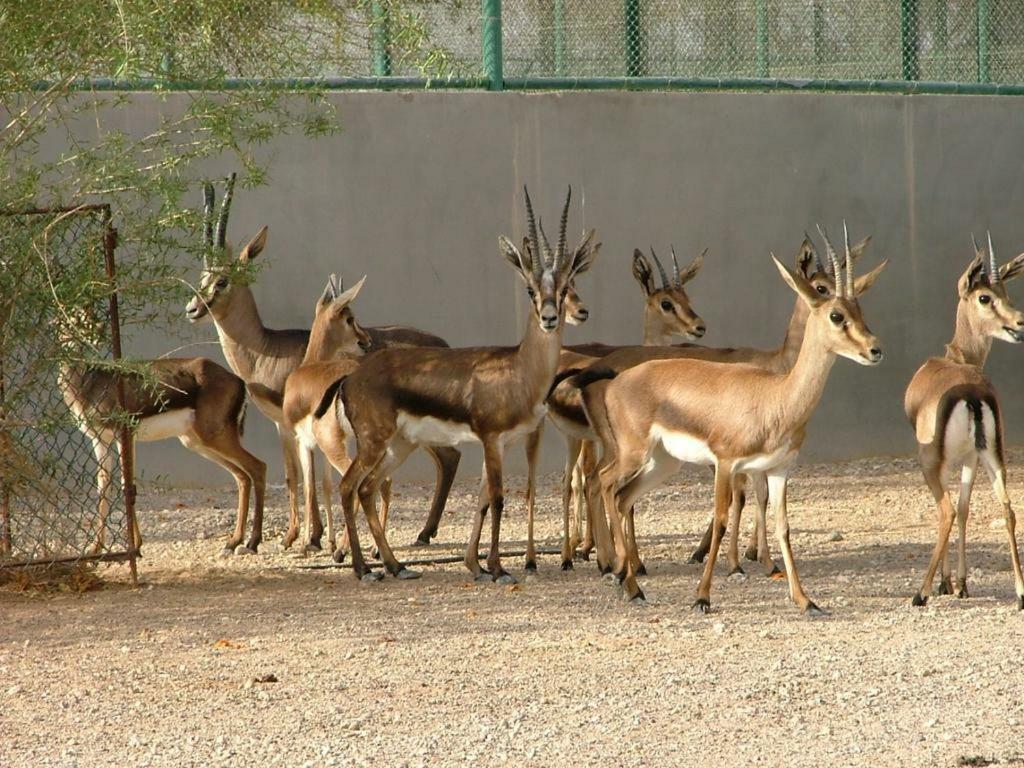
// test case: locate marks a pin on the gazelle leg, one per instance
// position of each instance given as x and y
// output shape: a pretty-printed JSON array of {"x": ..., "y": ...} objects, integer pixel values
[
  {"x": 777, "y": 480},
  {"x": 314, "y": 527},
  {"x": 446, "y": 460},
  {"x": 325, "y": 487},
  {"x": 634, "y": 551},
  {"x": 609, "y": 474},
  {"x": 762, "y": 553},
  {"x": 739, "y": 498},
  {"x": 398, "y": 451},
  {"x": 532, "y": 450},
  {"x": 290, "y": 449},
  {"x": 723, "y": 497},
  {"x": 367, "y": 456},
  {"x": 963, "y": 507},
  {"x": 573, "y": 446},
  {"x": 103, "y": 450},
  {"x": 496, "y": 499},
  {"x": 933, "y": 477},
  {"x": 598, "y": 521},
  {"x": 472, "y": 558},
  {"x": 997, "y": 473},
  {"x": 701, "y": 551},
  {"x": 385, "y": 509},
  {"x": 588, "y": 499}
]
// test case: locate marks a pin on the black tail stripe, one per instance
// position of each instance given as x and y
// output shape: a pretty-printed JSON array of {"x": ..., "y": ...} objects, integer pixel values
[
  {"x": 329, "y": 394},
  {"x": 974, "y": 405},
  {"x": 589, "y": 375}
]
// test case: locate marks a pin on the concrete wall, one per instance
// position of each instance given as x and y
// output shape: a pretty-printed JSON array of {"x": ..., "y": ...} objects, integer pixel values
[{"x": 417, "y": 188}]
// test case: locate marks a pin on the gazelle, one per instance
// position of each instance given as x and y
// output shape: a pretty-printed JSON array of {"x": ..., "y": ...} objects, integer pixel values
[
  {"x": 193, "y": 399},
  {"x": 738, "y": 418},
  {"x": 955, "y": 412},
  {"x": 398, "y": 399},
  {"x": 263, "y": 357},
  {"x": 667, "y": 314}
]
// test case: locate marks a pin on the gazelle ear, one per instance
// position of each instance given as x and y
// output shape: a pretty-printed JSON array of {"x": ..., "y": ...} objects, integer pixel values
[
  {"x": 515, "y": 257},
  {"x": 691, "y": 271},
  {"x": 1012, "y": 268},
  {"x": 584, "y": 255},
  {"x": 327, "y": 297},
  {"x": 350, "y": 295},
  {"x": 972, "y": 275},
  {"x": 862, "y": 283},
  {"x": 253, "y": 248},
  {"x": 857, "y": 249},
  {"x": 798, "y": 283},
  {"x": 805, "y": 257},
  {"x": 642, "y": 272}
]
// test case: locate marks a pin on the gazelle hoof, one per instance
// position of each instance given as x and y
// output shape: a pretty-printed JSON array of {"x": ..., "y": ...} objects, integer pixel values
[
  {"x": 483, "y": 577},
  {"x": 227, "y": 552},
  {"x": 610, "y": 577},
  {"x": 531, "y": 566},
  {"x": 641, "y": 570},
  {"x": 737, "y": 574},
  {"x": 638, "y": 600},
  {"x": 945, "y": 587},
  {"x": 751, "y": 554},
  {"x": 919, "y": 600},
  {"x": 962, "y": 592},
  {"x": 567, "y": 565},
  {"x": 408, "y": 575},
  {"x": 421, "y": 541},
  {"x": 702, "y": 605},
  {"x": 813, "y": 611},
  {"x": 245, "y": 550},
  {"x": 339, "y": 555},
  {"x": 583, "y": 554},
  {"x": 371, "y": 576},
  {"x": 312, "y": 548},
  {"x": 505, "y": 578},
  {"x": 697, "y": 557}
]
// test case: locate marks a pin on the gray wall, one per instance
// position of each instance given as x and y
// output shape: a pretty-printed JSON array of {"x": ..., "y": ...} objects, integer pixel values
[{"x": 416, "y": 189}]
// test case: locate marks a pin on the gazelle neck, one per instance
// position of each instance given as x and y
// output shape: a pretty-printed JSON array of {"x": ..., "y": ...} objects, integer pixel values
[
  {"x": 968, "y": 346},
  {"x": 654, "y": 329},
  {"x": 318, "y": 347},
  {"x": 793, "y": 341},
  {"x": 537, "y": 356},
  {"x": 800, "y": 389},
  {"x": 241, "y": 332}
]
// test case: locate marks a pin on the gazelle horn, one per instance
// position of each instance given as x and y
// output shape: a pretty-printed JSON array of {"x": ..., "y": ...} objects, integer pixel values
[
  {"x": 836, "y": 269},
  {"x": 661, "y": 270},
  {"x": 208, "y": 203},
  {"x": 677, "y": 280},
  {"x": 849, "y": 261},
  {"x": 531, "y": 224},
  {"x": 548, "y": 255},
  {"x": 994, "y": 276},
  {"x": 819, "y": 265},
  {"x": 225, "y": 209},
  {"x": 560, "y": 251}
]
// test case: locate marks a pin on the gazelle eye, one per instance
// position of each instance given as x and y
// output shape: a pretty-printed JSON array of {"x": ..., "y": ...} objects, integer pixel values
[
  {"x": 222, "y": 282},
  {"x": 531, "y": 292},
  {"x": 666, "y": 305},
  {"x": 821, "y": 289},
  {"x": 984, "y": 299},
  {"x": 836, "y": 317}
]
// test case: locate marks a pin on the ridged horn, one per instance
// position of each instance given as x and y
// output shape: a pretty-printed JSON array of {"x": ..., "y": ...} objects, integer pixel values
[
  {"x": 560, "y": 250},
  {"x": 849, "y": 261},
  {"x": 836, "y": 269},
  {"x": 993, "y": 269},
  {"x": 225, "y": 209},
  {"x": 531, "y": 224},
  {"x": 661, "y": 270}
]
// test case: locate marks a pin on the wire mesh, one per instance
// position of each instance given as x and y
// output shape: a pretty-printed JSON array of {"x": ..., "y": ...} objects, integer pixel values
[
  {"x": 956, "y": 41},
  {"x": 56, "y": 330}
]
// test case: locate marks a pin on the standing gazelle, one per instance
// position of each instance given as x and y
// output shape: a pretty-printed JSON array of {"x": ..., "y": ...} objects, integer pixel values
[
  {"x": 737, "y": 417},
  {"x": 263, "y": 357},
  {"x": 399, "y": 399},
  {"x": 956, "y": 417}
]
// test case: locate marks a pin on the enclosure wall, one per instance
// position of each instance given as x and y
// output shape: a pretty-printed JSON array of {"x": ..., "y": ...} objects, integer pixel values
[{"x": 416, "y": 189}]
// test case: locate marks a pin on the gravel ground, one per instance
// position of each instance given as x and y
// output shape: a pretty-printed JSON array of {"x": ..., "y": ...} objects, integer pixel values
[{"x": 262, "y": 660}]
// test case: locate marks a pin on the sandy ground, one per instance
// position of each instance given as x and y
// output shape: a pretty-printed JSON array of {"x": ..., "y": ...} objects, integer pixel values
[{"x": 556, "y": 670}]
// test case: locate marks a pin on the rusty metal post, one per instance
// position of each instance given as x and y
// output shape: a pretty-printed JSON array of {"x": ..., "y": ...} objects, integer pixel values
[
  {"x": 125, "y": 438},
  {"x": 5, "y": 488}
]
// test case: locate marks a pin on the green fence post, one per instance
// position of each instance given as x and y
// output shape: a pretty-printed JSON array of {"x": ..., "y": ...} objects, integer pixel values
[
  {"x": 559, "y": 26},
  {"x": 984, "y": 29},
  {"x": 491, "y": 12},
  {"x": 908, "y": 39},
  {"x": 380, "y": 31},
  {"x": 818, "y": 31},
  {"x": 634, "y": 39},
  {"x": 762, "y": 38}
]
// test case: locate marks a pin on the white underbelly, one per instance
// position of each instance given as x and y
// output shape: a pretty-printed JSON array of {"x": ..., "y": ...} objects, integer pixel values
[
  {"x": 762, "y": 462},
  {"x": 173, "y": 423},
  {"x": 572, "y": 428},
  {"x": 683, "y": 446},
  {"x": 426, "y": 430}
]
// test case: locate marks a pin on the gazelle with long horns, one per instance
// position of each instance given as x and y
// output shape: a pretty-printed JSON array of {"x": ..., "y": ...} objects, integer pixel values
[
  {"x": 399, "y": 399},
  {"x": 738, "y": 418},
  {"x": 263, "y": 357},
  {"x": 955, "y": 412}
]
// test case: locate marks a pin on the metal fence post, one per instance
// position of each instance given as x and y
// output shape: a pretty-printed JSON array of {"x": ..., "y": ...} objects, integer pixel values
[
  {"x": 559, "y": 27},
  {"x": 908, "y": 39},
  {"x": 634, "y": 39},
  {"x": 380, "y": 31},
  {"x": 818, "y": 32},
  {"x": 491, "y": 29},
  {"x": 762, "y": 38},
  {"x": 984, "y": 29}
]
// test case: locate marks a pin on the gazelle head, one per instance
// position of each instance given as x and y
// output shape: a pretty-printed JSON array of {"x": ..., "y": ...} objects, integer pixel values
[
  {"x": 549, "y": 273},
  {"x": 668, "y": 312},
  {"x": 818, "y": 274},
  {"x": 576, "y": 312},
  {"x": 215, "y": 294},
  {"x": 984, "y": 303},
  {"x": 837, "y": 318},
  {"x": 335, "y": 327}
]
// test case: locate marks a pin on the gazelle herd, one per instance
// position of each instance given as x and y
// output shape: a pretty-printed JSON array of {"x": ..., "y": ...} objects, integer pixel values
[{"x": 365, "y": 398}]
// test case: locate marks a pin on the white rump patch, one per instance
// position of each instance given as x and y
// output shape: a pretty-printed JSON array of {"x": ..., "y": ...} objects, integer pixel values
[
  {"x": 168, "y": 424},
  {"x": 426, "y": 430},
  {"x": 304, "y": 432},
  {"x": 960, "y": 438}
]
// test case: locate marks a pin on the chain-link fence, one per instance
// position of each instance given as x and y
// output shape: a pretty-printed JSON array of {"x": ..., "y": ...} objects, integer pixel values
[
  {"x": 62, "y": 498},
  {"x": 606, "y": 43}
]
